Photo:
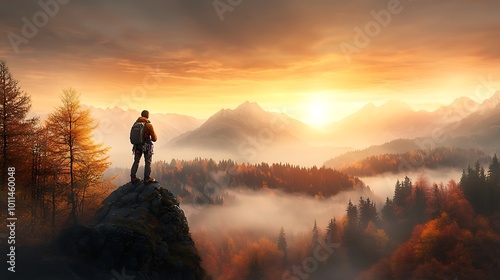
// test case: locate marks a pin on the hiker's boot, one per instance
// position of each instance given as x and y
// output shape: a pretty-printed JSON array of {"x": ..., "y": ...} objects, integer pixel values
[
  {"x": 149, "y": 180},
  {"x": 135, "y": 179}
]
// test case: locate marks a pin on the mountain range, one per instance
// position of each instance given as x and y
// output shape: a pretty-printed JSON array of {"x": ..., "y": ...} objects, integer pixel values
[
  {"x": 250, "y": 134},
  {"x": 376, "y": 125},
  {"x": 114, "y": 129},
  {"x": 462, "y": 124}
]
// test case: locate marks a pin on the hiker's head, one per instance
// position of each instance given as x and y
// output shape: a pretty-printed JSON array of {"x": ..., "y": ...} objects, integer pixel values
[{"x": 145, "y": 114}]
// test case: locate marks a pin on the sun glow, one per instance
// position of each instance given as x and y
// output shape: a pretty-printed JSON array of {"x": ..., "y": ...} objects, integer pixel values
[{"x": 319, "y": 111}]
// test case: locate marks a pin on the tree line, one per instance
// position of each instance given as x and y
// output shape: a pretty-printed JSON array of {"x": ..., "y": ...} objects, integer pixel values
[
  {"x": 58, "y": 164},
  {"x": 205, "y": 181},
  {"x": 434, "y": 158}
]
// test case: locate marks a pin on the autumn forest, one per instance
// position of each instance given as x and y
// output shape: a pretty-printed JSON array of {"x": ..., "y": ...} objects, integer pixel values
[{"x": 425, "y": 230}]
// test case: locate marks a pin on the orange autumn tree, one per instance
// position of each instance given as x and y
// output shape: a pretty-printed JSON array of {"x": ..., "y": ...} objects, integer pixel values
[
  {"x": 452, "y": 245},
  {"x": 259, "y": 260},
  {"x": 82, "y": 161},
  {"x": 205, "y": 244},
  {"x": 14, "y": 126}
]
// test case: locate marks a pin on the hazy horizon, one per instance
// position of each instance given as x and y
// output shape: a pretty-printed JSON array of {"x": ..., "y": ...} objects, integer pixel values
[{"x": 137, "y": 109}]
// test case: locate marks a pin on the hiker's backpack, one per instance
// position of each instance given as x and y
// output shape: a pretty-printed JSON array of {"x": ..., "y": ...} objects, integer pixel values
[{"x": 137, "y": 133}]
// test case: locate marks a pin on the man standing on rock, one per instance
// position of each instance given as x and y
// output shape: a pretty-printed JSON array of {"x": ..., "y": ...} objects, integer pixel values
[{"x": 144, "y": 126}]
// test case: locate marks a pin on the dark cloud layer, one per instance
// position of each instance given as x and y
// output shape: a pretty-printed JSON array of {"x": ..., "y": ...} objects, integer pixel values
[{"x": 289, "y": 28}]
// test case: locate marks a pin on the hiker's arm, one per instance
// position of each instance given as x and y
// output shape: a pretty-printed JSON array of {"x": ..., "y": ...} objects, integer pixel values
[{"x": 153, "y": 133}]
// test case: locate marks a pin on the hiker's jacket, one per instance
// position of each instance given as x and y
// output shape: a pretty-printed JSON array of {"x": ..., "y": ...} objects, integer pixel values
[{"x": 149, "y": 131}]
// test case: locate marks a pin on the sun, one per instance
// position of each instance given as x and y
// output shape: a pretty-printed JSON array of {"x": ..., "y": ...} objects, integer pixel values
[{"x": 318, "y": 111}]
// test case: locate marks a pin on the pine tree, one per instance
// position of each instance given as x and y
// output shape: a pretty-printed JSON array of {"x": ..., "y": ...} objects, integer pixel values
[
  {"x": 475, "y": 188},
  {"x": 420, "y": 205},
  {"x": 14, "y": 107},
  {"x": 315, "y": 237},
  {"x": 388, "y": 214},
  {"x": 493, "y": 191},
  {"x": 83, "y": 161},
  {"x": 282, "y": 245},
  {"x": 402, "y": 191},
  {"x": 351, "y": 227},
  {"x": 367, "y": 212},
  {"x": 436, "y": 203},
  {"x": 390, "y": 219},
  {"x": 332, "y": 234},
  {"x": 398, "y": 194},
  {"x": 254, "y": 269},
  {"x": 466, "y": 183},
  {"x": 494, "y": 171}
]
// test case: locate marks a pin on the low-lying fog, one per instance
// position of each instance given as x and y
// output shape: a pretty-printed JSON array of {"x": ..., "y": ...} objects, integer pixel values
[{"x": 269, "y": 210}]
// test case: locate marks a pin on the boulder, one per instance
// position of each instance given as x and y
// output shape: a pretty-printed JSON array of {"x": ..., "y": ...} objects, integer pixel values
[{"x": 139, "y": 233}]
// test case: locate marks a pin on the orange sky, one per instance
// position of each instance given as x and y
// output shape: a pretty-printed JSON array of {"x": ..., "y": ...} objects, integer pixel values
[{"x": 179, "y": 56}]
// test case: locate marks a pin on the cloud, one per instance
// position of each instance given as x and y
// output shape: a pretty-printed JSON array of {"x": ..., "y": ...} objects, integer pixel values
[
  {"x": 293, "y": 28},
  {"x": 261, "y": 46}
]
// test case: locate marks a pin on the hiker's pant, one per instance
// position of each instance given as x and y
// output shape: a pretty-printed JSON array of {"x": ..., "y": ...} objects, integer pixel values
[{"x": 148, "y": 157}]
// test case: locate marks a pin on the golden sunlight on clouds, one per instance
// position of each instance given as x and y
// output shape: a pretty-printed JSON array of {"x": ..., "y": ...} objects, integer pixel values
[{"x": 178, "y": 56}]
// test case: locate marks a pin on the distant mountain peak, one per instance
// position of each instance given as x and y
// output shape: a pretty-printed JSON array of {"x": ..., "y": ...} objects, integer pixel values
[
  {"x": 387, "y": 110},
  {"x": 462, "y": 99},
  {"x": 369, "y": 106},
  {"x": 248, "y": 103},
  {"x": 496, "y": 96},
  {"x": 491, "y": 103},
  {"x": 249, "y": 110},
  {"x": 391, "y": 104},
  {"x": 249, "y": 107},
  {"x": 464, "y": 102},
  {"x": 245, "y": 112}
]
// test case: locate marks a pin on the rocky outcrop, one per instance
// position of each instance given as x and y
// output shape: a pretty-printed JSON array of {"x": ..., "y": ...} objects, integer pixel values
[{"x": 139, "y": 233}]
